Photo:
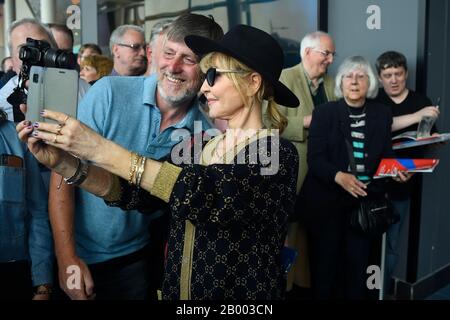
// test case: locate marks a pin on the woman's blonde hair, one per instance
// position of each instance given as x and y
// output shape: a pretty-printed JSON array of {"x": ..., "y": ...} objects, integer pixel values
[{"x": 265, "y": 92}]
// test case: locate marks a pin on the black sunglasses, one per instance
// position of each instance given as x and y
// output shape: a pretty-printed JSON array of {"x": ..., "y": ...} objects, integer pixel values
[{"x": 213, "y": 72}]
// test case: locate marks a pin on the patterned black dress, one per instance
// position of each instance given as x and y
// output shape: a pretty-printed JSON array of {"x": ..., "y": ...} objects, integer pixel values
[{"x": 228, "y": 224}]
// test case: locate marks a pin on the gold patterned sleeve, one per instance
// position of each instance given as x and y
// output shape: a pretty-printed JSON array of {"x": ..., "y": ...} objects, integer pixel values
[{"x": 165, "y": 181}]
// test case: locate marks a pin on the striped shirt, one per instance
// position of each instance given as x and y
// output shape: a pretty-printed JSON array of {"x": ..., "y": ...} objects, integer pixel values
[{"x": 357, "y": 129}]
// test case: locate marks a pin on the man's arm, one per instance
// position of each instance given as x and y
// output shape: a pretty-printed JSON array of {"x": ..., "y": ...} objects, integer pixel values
[
  {"x": 401, "y": 122},
  {"x": 91, "y": 110},
  {"x": 62, "y": 212}
]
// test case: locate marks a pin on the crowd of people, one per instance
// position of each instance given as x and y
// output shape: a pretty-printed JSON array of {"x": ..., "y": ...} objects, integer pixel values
[{"x": 193, "y": 161}]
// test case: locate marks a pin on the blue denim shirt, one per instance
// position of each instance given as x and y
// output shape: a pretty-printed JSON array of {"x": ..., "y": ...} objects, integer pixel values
[
  {"x": 123, "y": 109},
  {"x": 25, "y": 232}
]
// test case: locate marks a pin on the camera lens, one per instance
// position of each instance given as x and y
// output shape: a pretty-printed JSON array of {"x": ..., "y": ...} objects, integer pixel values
[
  {"x": 59, "y": 59},
  {"x": 30, "y": 54}
]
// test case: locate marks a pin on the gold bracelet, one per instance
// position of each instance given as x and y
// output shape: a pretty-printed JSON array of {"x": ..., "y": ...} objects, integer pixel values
[
  {"x": 134, "y": 157},
  {"x": 136, "y": 172},
  {"x": 140, "y": 171}
]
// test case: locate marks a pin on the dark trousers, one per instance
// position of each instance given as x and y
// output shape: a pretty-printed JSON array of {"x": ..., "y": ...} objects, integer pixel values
[
  {"x": 15, "y": 278},
  {"x": 130, "y": 281},
  {"x": 402, "y": 208},
  {"x": 339, "y": 259}
]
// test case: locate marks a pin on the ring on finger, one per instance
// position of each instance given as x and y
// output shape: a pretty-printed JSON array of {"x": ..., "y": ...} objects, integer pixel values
[
  {"x": 55, "y": 139},
  {"x": 58, "y": 131}
]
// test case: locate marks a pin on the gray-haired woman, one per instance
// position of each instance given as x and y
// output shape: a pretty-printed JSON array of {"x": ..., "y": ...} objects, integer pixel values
[{"x": 339, "y": 255}]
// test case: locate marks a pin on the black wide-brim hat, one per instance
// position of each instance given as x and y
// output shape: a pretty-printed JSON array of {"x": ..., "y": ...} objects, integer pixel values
[{"x": 256, "y": 49}]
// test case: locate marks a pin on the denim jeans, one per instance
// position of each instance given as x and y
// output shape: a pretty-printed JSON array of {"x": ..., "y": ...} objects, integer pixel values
[{"x": 402, "y": 208}]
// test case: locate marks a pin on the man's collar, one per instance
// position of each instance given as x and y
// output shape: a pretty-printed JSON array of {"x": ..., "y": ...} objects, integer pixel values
[
  {"x": 308, "y": 79},
  {"x": 311, "y": 86},
  {"x": 190, "y": 117},
  {"x": 149, "y": 93}
]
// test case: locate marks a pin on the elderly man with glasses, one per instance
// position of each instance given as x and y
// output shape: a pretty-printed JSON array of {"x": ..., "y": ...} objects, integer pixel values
[
  {"x": 309, "y": 81},
  {"x": 128, "y": 48}
]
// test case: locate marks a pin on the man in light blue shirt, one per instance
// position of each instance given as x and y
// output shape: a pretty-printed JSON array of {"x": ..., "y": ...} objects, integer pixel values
[
  {"x": 110, "y": 246},
  {"x": 26, "y": 244}
]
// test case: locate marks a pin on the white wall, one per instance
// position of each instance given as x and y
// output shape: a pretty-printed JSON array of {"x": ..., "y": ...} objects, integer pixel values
[{"x": 347, "y": 23}]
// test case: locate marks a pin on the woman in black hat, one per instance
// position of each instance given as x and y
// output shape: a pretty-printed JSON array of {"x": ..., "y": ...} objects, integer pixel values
[{"x": 229, "y": 200}]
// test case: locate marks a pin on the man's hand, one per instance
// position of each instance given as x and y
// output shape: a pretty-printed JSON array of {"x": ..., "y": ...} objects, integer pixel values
[
  {"x": 80, "y": 286},
  {"x": 42, "y": 292},
  {"x": 41, "y": 297},
  {"x": 430, "y": 111},
  {"x": 307, "y": 121}
]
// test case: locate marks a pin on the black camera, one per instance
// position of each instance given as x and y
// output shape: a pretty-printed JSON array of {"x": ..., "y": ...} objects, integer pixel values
[{"x": 37, "y": 53}]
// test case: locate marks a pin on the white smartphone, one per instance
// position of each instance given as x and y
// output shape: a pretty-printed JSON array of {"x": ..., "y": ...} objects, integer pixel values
[{"x": 54, "y": 89}]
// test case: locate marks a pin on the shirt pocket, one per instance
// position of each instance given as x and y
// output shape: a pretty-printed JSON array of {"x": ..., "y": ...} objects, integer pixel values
[{"x": 12, "y": 202}]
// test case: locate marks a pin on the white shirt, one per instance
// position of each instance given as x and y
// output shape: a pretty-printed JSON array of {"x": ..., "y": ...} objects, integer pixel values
[{"x": 5, "y": 92}]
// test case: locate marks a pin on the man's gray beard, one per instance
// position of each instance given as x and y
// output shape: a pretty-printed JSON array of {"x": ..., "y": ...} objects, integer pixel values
[{"x": 180, "y": 99}]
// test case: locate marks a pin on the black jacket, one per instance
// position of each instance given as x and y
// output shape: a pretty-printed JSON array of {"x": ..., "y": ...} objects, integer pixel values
[{"x": 327, "y": 155}]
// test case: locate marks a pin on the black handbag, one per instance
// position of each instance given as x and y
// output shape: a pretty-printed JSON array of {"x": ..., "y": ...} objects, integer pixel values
[{"x": 374, "y": 213}]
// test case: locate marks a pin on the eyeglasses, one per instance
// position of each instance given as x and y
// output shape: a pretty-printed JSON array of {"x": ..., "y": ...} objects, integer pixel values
[
  {"x": 134, "y": 46},
  {"x": 355, "y": 76},
  {"x": 213, "y": 72},
  {"x": 325, "y": 53}
]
